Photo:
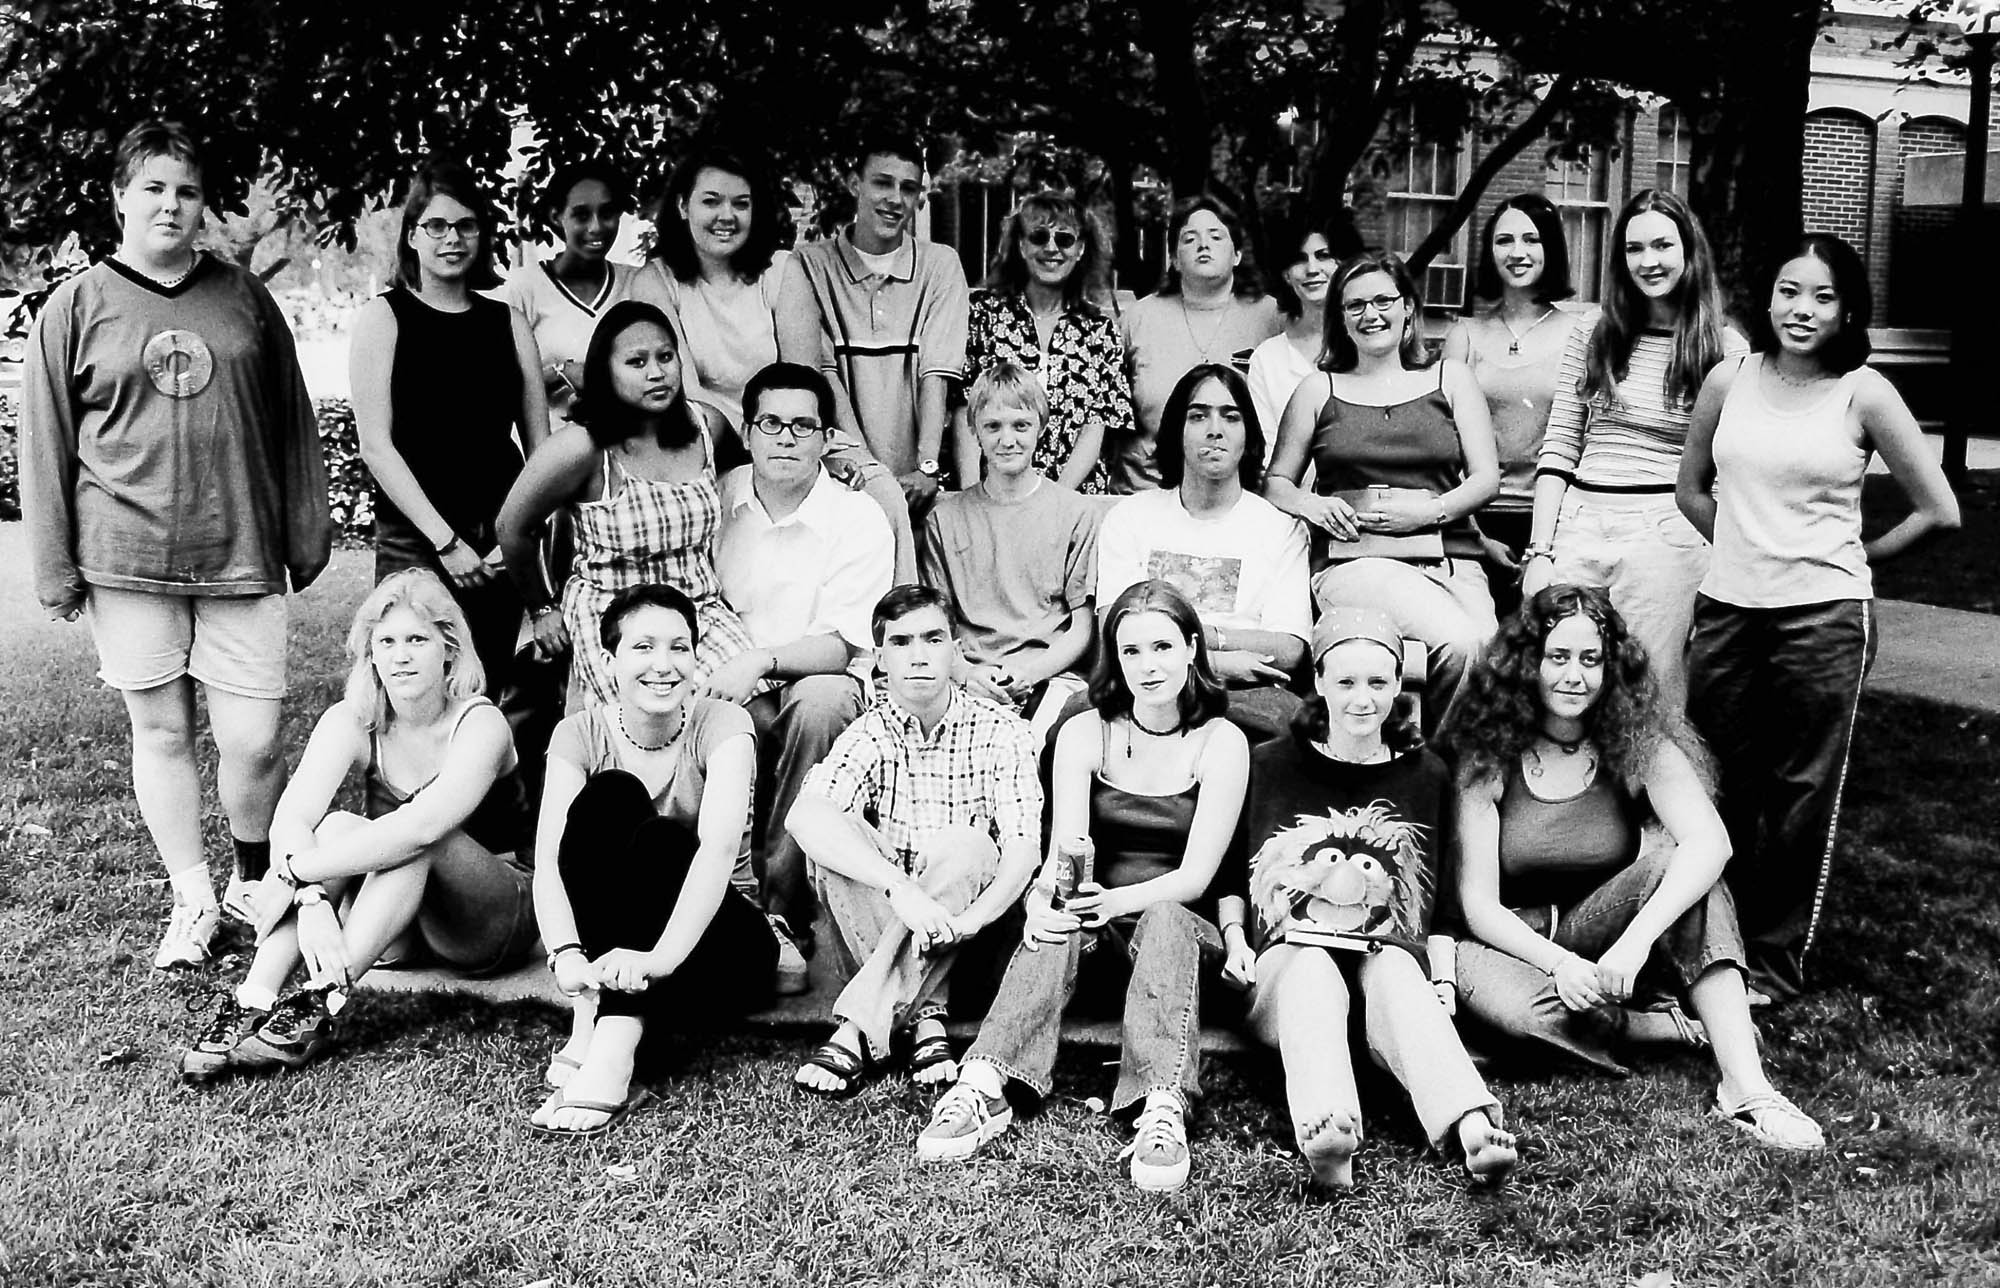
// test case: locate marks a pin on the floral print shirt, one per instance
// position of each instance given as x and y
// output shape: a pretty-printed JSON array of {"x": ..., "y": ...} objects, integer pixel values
[{"x": 1083, "y": 373}]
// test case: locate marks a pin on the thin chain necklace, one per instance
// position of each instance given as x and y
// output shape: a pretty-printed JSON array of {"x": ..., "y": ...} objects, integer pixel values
[
  {"x": 1215, "y": 333},
  {"x": 646, "y": 746},
  {"x": 1374, "y": 757},
  {"x": 1522, "y": 334},
  {"x": 169, "y": 283}
]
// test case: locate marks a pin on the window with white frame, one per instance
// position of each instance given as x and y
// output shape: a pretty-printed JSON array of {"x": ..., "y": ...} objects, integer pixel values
[
  {"x": 1581, "y": 193},
  {"x": 1671, "y": 171},
  {"x": 1424, "y": 180}
]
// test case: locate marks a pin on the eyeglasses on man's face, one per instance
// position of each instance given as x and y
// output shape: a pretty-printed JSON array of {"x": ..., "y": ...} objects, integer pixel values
[
  {"x": 1062, "y": 237},
  {"x": 802, "y": 427},
  {"x": 435, "y": 229}
]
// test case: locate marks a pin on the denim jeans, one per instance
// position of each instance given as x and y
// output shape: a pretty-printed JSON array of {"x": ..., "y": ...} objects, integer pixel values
[
  {"x": 892, "y": 982},
  {"x": 1301, "y": 1007},
  {"x": 796, "y": 725},
  {"x": 1520, "y": 999},
  {"x": 1167, "y": 947},
  {"x": 1638, "y": 546},
  {"x": 1448, "y": 605}
]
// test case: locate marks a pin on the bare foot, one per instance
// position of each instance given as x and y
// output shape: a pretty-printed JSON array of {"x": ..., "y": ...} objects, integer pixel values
[
  {"x": 604, "y": 1078},
  {"x": 1329, "y": 1147},
  {"x": 1489, "y": 1152},
  {"x": 931, "y": 1060},
  {"x": 814, "y": 1077},
  {"x": 547, "y": 1111}
]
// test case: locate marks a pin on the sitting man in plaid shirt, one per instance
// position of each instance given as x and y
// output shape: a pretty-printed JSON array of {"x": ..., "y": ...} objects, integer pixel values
[{"x": 923, "y": 825}]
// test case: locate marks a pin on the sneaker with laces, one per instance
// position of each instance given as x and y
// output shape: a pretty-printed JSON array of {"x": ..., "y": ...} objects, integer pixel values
[
  {"x": 965, "y": 1119},
  {"x": 1159, "y": 1149},
  {"x": 296, "y": 1031},
  {"x": 792, "y": 976},
  {"x": 228, "y": 1024},
  {"x": 189, "y": 931}
]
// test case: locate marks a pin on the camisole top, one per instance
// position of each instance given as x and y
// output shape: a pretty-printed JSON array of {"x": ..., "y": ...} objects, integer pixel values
[
  {"x": 1559, "y": 850},
  {"x": 1411, "y": 444},
  {"x": 503, "y": 822},
  {"x": 454, "y": 393},
  {"x": 1788, "y": 498},
  {"x": 1138, "y": 835}
]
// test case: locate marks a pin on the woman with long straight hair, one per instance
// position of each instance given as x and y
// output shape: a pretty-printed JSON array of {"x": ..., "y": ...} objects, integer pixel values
[
  {"x": 1604, "y": 510},
  {"x": 1153, "y": 780},
  {"x": 1784, "y": 626}
]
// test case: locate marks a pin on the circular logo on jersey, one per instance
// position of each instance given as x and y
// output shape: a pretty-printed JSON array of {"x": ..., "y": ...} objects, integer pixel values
[{"x": 179, "y": 363}]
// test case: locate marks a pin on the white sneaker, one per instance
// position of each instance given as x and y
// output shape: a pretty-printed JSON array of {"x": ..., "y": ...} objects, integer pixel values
[
  {"x": 188, "y": 933},
  {"x": 965, "y": 1119},
  {"x": 1159, "y": 1149}
]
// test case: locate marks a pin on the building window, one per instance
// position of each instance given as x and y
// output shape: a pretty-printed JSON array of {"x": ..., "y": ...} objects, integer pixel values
[
  {"x": 1581, "y": 191},
  {"x": 1671, "y": 171},
  {"x": 1424, "y": 180}
]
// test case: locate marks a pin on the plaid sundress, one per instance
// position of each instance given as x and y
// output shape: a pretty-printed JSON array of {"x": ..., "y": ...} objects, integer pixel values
[{"x": 639, "y": 531}]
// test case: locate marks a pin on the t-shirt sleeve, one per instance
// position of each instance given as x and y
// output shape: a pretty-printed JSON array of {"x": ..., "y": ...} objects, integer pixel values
[
  {"x": 1287, "y": 603},
  {"x": 861, "y": 571},
  {"x": 1121, "y": 553},
  {"x": 1111, "y": 387},
  {"x": 978, "y": 336},
  {"x": 941, "y": 336},
  {"x": 849, "y": 777},
  {"x": 567, "y": 744},
  {"x": 1080, "y": 559}
]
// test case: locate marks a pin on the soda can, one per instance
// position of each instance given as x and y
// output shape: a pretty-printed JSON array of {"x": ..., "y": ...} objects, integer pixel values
[{"x": 1070, "y": 867}]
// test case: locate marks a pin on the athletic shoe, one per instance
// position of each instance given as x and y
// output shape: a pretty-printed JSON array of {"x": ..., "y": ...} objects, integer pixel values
[
  {"x": 297, "y": 1030},
  {"x": 792, "y": 976},
  {"x": 965, "y": 1119},
  {"x": 228, "y": 1025},
  {"x": 189, "y": 931},
  {"x": 1159, "y": 1149}
]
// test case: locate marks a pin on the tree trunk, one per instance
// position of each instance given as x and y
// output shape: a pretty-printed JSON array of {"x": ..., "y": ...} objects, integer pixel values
[{"x": 1528, "y": 131}]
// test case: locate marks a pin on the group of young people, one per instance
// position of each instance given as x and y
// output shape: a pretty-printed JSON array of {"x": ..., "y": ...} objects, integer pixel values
[{"x": 753, "y": 604}]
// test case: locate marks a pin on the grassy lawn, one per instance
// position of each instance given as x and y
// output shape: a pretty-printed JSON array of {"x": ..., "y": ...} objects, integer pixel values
[
  {"x": 402, "y": 1160},
  {"x": 1961, "y": 570}
]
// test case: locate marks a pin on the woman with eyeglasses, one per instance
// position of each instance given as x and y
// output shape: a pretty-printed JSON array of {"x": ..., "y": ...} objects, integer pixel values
[
  {"x": 1402, "y": 449},
  {"x": 442, "y": 376},
  {"x": 638, "y": 470},
  {"x": 1034, "y": 310}
]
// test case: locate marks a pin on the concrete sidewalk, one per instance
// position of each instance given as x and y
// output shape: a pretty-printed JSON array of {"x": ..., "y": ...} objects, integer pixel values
[{"x": 1944, "y": 654}]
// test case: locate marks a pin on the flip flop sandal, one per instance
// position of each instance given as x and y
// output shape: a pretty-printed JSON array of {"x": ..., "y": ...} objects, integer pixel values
[
  {"x": 559, "y": 1061},
  {"x": 930, "y": 1052},
  {"x": 614, "y": 1114},
  {"x": 843, "y": 1063}
]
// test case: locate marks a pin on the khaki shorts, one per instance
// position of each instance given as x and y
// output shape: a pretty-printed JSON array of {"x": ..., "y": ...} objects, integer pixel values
[{"x": 232, "y": 643}]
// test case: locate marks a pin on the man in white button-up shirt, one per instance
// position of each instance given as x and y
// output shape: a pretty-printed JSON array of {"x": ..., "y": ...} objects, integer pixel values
[{"x": 803, "y": 561}]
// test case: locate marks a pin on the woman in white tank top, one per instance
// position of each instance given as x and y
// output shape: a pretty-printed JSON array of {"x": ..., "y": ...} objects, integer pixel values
[{"x": 1777, "y": 447}]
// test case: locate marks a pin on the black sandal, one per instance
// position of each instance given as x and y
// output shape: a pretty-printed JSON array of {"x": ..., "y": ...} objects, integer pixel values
[
  {"x": 930, "y": 1052},
  {"x": 842, "y": 1062}
]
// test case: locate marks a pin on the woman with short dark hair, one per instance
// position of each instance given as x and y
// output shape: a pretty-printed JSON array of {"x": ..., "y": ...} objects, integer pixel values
[
  {"x": 173, "y": 489},
  {"x": 443, "y": 376},
  {"x": 1784, "y": 626},
  {"x": 1151, "y": 782}
]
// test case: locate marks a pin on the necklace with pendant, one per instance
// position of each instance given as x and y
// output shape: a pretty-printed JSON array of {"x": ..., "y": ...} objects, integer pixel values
[
  {"x": 1522, "y": 334},
  {"x": 1569, "y": 748},
  {"x": 1222, "y": 320}
]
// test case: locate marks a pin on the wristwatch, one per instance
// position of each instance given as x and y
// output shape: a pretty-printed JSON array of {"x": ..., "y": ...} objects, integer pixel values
[{"x": 930, "y": 468}]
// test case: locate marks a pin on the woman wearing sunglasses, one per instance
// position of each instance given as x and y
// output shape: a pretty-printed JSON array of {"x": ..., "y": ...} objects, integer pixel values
[
  {"x": 442, "y": 376},
  {"x": 1033, "y": 311}
]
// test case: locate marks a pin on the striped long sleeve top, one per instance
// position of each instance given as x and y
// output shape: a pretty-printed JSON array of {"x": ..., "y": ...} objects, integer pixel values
[{"x": 1629, "y": 441}]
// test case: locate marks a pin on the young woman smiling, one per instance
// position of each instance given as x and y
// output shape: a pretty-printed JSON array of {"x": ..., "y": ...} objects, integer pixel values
[
  {"x": 1604, "y": 512},
  {"x": 1280, "y": 364},
  {"x": 1578, "y": 902},
  {"x": 442, "y": 377},
  {"x": 1402, "y": 450},
  {"x": 1513, "y": 343},
  {"x": 1784, "y": 630}
]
